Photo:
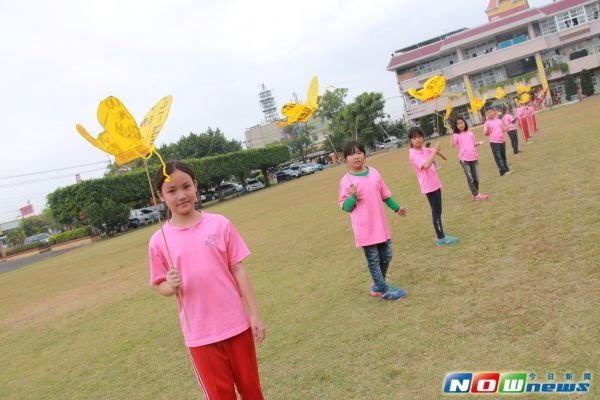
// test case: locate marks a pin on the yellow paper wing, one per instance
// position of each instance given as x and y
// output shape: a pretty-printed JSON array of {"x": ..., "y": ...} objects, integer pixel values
[
  {"x": 313, "y": 93},
  {"x": 296, "y": 113},
  {"x": 417, "y": 94},
  {"x": 153, "y": 121},
  {"x": 448, "y": 110},
  {"x": 96, "y": 143},
  {"x": 116, "y": 120},
  {"x": 500, "y": 93},
  {"x": 476, "y": 104},
  {"x": 524, "y": 98},
  {"x": 434, "y": 86}
]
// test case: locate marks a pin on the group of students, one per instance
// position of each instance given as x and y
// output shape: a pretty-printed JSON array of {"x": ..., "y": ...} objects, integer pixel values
[
  {"x": 362, "y": 190},
  {"x": 198, "y": 256}
]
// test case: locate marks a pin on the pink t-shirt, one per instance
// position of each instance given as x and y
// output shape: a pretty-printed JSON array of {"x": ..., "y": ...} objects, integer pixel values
[
  {"x": 530, "y": 111},
  {"x": 465, "y": 142},
  {"x": 368, "y": 218},
  {"x": 521, "y": 112},
  {"x": 204, "y": 253},
  {"x": 507, "y": 121},
  {"x": 495, "y": 130},
  {"x": 428, "y": 177}
]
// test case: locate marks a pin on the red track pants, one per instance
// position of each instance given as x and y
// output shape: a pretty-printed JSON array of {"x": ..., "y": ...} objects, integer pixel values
[
  {"x": 224, "y": 366},
  {"x": 524, "y": 128}
]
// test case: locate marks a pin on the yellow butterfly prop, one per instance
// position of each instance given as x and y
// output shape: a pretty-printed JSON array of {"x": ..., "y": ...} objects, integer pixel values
[
  {"x": 448, "y": 112},
  {"x": 432, "y": 89},
  {"x": 524, "y": 98},
  {"x": 121, "y": 136},
  {"x": 523, "y": 89},
  {"x": 477, "y": 104},
  {"x": 500, "y": 93},
  {"x": 302, "y": 112}
]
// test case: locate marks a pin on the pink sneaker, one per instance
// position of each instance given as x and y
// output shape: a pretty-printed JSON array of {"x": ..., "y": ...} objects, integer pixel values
[{"x": 481, "y": 197}]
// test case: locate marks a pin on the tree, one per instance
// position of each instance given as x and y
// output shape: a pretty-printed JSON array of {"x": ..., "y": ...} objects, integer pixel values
[
  {"x": 357, "y": 119},
  {"x": 210, "y": 143},
  {"x": 587, "y": 83},
  {"x": 396, "y": 128},
  {"x": 331, "y": 103},
  {"x": 16, "y": 237},
  {"x": 302, "y": 143},
  {"x": 107, "y": 215},
  {"x": 33, "y": 225},
  {"x": 570, "y": 87},
  {"x": 426, "y": 125}
]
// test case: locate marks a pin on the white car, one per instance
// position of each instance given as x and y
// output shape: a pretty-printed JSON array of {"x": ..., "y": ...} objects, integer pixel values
[
  {"x": 389, "y": 143},
  {"x": 254, "y": 184}
]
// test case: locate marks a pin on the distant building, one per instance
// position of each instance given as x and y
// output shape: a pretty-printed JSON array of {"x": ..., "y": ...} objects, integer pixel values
[
  {"x": 536, "y": 46},
  {"x": 261, "y": 135}
]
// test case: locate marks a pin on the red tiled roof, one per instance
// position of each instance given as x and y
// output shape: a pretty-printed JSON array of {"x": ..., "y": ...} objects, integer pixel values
[
  {"x": 414, "y": 54},
  {"x": 433, "y": 48},
  {"x": 492, "y": 25}
]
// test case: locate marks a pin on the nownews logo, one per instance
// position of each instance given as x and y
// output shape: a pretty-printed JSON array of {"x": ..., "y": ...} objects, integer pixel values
[{"x": 513, "y": 382}]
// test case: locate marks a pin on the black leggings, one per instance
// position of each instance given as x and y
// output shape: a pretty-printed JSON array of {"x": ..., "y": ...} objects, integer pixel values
[{"x": 435, "y": 201}]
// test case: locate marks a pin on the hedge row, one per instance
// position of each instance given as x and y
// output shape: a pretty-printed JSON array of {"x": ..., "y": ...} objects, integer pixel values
[
  {"x": 70, "y": 204},
  {"x": 26, "y": 247},
  {"x": 70, "y": 235}
]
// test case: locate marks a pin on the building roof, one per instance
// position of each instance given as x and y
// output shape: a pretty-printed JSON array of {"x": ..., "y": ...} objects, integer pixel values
[{"x": 552, "y": 8}]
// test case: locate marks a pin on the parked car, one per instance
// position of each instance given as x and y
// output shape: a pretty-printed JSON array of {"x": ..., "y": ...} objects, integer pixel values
[
  {"x": 39, "y": 238},
  {"x": 285, "y": 175},
  {"x": 151, "y": 216},
  {"x": 391, "y": 142},
  {"x": 143, "y": 217},
  {"x": 308, "y": 169},
  {"x": 316, "y": 166},
  {"x": 292, "y": 172},
  {"x": 229, "y": 189},
  {"x": 208, "y": 195},
  {"x": 254, "y": 184},
  {"x": 134, "y": 223}
]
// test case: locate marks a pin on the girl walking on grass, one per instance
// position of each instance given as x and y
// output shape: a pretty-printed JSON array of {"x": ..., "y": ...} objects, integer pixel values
[
  {"x": 362, "y": 194},
  {"x": 212, "y": 286},
  {"x": 421, "y": 158},
  {"x": 464, "y": 140}
]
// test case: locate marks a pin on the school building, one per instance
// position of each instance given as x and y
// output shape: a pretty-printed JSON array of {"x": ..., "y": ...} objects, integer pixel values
[{"x": 532, "y": 46}]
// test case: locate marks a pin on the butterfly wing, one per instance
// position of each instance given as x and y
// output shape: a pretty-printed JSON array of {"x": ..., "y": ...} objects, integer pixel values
[
  {"x": 121, "y": 133},
  {"x": 313, "y": 93},
  {"x": 154, "y": 120}
]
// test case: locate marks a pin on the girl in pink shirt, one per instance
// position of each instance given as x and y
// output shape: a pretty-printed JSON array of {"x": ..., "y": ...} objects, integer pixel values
[
  {"x": 511, "y": 130},
  {"x": 523, "y": 122},
  {"x": 465, "y": 141},
  {"x": 202, "y": 266},
  {"x": 530, "y": 112},
  {"x": 362, "y": 194},
  {"x": 495, "y": 130},
  {"x": 421, "y": 158}
]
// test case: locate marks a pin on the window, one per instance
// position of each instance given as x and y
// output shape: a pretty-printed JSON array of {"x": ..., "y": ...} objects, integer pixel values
[
  {"x": 570, "y": 18},
  {"x": 548, "y": 26},
  {"x": 592, "y": 11}
]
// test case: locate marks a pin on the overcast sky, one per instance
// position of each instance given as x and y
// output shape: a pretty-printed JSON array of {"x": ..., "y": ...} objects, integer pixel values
[{"x": 59, "y": 59}]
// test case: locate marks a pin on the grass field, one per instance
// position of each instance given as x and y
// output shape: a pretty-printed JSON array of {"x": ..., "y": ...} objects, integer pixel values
[{"x": 521, "y": 292}]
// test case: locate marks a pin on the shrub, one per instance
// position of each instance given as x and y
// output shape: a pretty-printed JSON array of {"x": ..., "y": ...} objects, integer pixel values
[
  {"x": 25, "y": 248},
  {"x": 70, "y": 235}
]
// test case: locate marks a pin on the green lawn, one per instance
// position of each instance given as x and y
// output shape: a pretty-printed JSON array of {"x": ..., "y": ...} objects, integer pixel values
[{"x": 521, "y": 292}]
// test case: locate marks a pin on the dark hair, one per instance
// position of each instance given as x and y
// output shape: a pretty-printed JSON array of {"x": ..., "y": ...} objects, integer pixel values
[
  {"x": 350, "y": 148},
  {"x": 414, "y": 132},
  {"x": 171, "y": 167},
  {"x": 455, "y": 124}
]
